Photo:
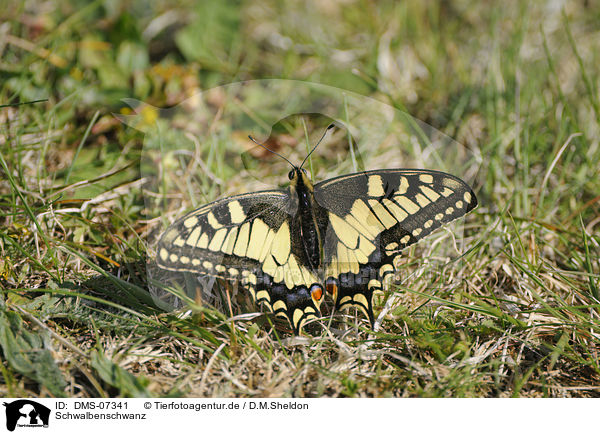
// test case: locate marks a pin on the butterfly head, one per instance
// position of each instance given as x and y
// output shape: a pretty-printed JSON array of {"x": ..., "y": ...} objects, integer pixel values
[{"x": 299, "y": 178}]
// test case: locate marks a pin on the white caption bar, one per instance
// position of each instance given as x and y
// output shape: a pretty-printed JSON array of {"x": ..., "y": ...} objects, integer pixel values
[{"x": 282, "y": 415}]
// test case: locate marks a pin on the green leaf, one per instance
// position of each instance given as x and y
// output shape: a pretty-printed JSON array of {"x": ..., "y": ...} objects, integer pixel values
[
  {"x": 25, "y": 353},
  {"x": 210, "y": 37},
  {"x": 111, "y": 373},
  {"x": 132, "y": 57}
]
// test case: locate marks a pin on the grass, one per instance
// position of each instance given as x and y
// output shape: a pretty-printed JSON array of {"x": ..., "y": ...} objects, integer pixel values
[{"x": 516, "y": 84}]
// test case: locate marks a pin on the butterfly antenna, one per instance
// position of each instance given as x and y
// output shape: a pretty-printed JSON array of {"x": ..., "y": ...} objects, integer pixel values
[
  {"x": 271, "y": 151},
  {"x": 320, "y": 140}
]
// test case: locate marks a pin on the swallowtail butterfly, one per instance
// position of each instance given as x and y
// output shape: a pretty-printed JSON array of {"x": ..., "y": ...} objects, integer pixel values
[{"x": 340, "y": 236}]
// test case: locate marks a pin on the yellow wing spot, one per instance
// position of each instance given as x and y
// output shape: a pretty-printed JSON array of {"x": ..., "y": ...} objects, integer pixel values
[
  {"x": 212, "y": 220},
  {"x": 428, "y": 224},
  {"x": 236, "y": 212},
  {"x": 164, "y": 254},
  {"x": 263, "y": 295},
  {"x": 184, "y": 260},
  {"x": 422, "y": 200},
  {"x": 385, "y": 269},
  {"x": 345, "y": 232},
  {"x": 293, "y": 271},
  {"x": 407, "y": 204},
  {"x": 431, "y": 195},
  {"x": 208, "y": 265},
  {"x": 360, "y": 256},
  {"x": 190, "y": 222},
  {"x": 375, "y": 186},
  {"x": 374, "y": 222},
  {"x": 451, "y": 183},
  {"x": 257, "y": 238},
  {"x": 217, "y": 240},
  {"x": 439, "y": 216},
  {"x": 458, "y": 204},
  {"x": 345, "y": 300},
  {"x": 391, "y": 246},
  {"x": 342, "y": 254},
  {"x": 353, "y": 264},
  {"x": 220, "y": 268},
  {"x": 169, "y": 235},
  {"x": 361, "y": 300},
  {"x": 192, "y": 240},
  {"x": 449, "y": 210},
  {"x": 405, "y": 239},
  {"x": 195, "y": 262},
  {"x": 332, "y": 268},
  {"x": 279, "y": 305},
  {"x": 179, "y": 242},
  {"x": 366, "y": 246},
  {"x": 287, "y": 275},
  {"x": 374, "y": 283},
  {"x": 173, "y": 257},
  {"x": 297, "y": 317},
  {"x": 416, "y": 232},
  {"x": 203, "y": 242},
  {"x": 447, "y": 192},
  {"x": 364, "y": 228},
  {"x": 229, "y": 243},
  {"x": 427, "y": 179},
  {"x": 361, "y": 213},
  {"x": 403, "y": 187},
  {"x": 269, "y": 265},
  {"x": 307, "y": 276},
  {"x": 281, "y": 244},
  {"x": 278, "y": 275},
  {"x": 241, "y": 245},
  {"x": 384, "y": 216},
  {"x": 266, "y": 248},
  {"x": 234, "y": 272},
  {"x": 281, "y": 315},
  {"x": 467, "y": 197},
  {"x": 398, "y": 213}
]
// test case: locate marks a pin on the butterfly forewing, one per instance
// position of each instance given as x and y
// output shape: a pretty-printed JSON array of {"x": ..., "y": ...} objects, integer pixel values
[
  {"x": 216, "y": 236},
  {"x": 372, "y": 216}
]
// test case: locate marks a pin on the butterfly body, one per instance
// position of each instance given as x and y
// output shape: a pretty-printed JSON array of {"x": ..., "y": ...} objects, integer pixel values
[
  {"x": 289, "y": 247},
  {"x": 310, "y": 216}
]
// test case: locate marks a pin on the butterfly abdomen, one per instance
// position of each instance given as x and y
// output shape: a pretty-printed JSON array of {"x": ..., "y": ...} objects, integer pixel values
[{"x": 309, "y": 213}]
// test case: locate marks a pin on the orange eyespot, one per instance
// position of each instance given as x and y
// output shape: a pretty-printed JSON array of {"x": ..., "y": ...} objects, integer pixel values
[
  {"x": 316, "y": 292},
  {"x": 331, "y": 287}
]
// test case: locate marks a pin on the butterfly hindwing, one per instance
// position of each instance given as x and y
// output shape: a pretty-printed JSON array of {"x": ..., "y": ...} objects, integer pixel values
[
  {"x": 372, "y": 216},
  {"x": 250, "y": 238}
]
